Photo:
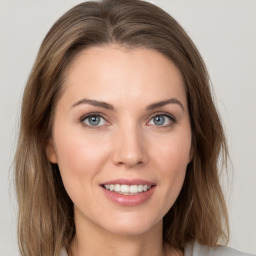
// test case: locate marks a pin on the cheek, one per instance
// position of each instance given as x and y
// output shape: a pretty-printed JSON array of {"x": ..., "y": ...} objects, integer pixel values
[
  {"x": 70, "y": 155},
  {"x": 77, "y": 153},
  {"x": 78, "y": 159},
  {"x": 173, "y": 153},
  {"x": 174, "y": 167},
  {"x": 172, "y": 158}
]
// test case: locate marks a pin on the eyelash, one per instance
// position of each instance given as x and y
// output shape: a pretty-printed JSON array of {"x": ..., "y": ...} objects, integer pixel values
[
  {"x": 97, "y": 114},
  {"x": 171, "y": 118}
]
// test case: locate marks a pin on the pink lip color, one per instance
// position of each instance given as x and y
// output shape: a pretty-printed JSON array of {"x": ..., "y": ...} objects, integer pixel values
[{"x": 129, "y": 200}]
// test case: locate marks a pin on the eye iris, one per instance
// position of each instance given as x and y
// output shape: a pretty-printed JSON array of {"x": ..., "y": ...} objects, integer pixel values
[
  {"x": 94, "y": 120},
  {"x": 159, "y": 120}
]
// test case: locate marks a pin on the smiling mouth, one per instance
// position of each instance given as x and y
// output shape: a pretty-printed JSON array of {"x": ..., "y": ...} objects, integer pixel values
[{"x": 124, "y": 189}]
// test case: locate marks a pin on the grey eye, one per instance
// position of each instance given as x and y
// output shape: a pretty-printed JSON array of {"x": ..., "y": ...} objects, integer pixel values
[
  {"x": 161, "y": 120},
  {"x": 94, "y": 120}
]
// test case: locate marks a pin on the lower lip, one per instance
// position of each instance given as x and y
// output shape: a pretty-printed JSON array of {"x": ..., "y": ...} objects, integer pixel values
[{"x": 129, "y": 200}]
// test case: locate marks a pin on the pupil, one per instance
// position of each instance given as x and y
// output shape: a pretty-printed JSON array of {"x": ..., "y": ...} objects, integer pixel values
[
  {"x": 159, "y": 120},
  {"x": 94, "y": 120}
]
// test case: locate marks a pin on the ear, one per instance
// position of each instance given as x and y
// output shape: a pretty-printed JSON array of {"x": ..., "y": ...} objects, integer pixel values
[
  {"x": 191, "y": 154},
  {"x": 51, "y": 151}
]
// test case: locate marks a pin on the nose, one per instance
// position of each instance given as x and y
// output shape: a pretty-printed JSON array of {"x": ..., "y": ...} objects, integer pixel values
[{"x": 130, "y": 149}]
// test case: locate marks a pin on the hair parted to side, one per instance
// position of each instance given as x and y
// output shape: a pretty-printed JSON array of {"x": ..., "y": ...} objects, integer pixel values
[{"x": 46, "y": 221}]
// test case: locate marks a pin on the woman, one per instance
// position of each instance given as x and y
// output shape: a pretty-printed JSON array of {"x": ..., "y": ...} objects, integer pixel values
[{"x": 120, "y": 139}]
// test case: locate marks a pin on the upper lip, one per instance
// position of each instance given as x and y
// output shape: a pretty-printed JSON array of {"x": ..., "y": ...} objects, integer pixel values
[{"x": 129, "y": 182}]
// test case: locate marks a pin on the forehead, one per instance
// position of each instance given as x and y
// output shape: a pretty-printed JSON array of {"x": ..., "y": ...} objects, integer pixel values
[{"x": 112, "y": 71}]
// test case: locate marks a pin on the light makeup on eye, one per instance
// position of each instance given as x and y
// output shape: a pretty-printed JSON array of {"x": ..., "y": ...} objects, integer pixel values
[
  {"x": 96, "y": 120},
  {"x": 93, "y": 120},
  {"x": 162, "y": 120}
]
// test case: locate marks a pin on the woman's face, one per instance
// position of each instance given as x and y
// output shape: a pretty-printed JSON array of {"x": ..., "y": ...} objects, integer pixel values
[{"x": 122, "y": 138}]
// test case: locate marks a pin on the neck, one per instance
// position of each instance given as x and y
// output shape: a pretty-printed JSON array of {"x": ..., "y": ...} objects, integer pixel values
[{"x": 92, "y": 240}]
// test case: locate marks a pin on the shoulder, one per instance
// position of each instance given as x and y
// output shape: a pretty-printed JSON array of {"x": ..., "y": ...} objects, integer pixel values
[{"x": 196, "y": 249}]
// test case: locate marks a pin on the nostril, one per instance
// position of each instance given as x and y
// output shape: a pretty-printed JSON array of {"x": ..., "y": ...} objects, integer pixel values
[
  {"x": 130, "y": 153},
  {"x": 130, "y": 164}
]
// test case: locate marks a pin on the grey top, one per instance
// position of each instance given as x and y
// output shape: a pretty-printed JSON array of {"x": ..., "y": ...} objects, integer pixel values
[{"x": 196, "y": 249}]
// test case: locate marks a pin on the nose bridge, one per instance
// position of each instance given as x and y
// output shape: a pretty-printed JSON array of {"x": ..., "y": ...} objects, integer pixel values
[{"x": 129, "y": 149}]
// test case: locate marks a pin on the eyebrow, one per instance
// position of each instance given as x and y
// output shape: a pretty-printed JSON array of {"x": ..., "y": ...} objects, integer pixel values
[
  {"x": 95, "y": 103},
  {"x": 108, "y": 106},
  {"x": 165, "y": 102}
]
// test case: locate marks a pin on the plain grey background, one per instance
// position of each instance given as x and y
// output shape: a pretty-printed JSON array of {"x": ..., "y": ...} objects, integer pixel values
[{"x": 225, "y": 34}]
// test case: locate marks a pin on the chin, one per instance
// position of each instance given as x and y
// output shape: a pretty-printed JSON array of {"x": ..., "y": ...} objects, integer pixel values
[{"x": 133, "y": 226}]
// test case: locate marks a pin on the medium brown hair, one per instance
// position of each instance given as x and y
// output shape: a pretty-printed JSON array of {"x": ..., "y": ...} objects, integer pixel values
[{"x": 46, "y": 220}]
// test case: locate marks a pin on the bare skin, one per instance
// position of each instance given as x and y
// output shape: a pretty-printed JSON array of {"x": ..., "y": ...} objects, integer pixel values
[{"x": 123, "y": 115}]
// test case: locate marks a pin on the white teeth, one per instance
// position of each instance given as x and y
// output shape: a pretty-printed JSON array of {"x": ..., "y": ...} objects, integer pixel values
[
  {"x": 117, "y": 188},
  {"x": 133, "y": 189},
  {"x": 126, "y": 189},
  {"x": 140, "y": 188}
]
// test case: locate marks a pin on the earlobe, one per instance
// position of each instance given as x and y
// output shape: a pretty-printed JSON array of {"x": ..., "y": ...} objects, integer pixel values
[
  {"x": 51, "y": 152},
  {"x": 191, "y": 154}
]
